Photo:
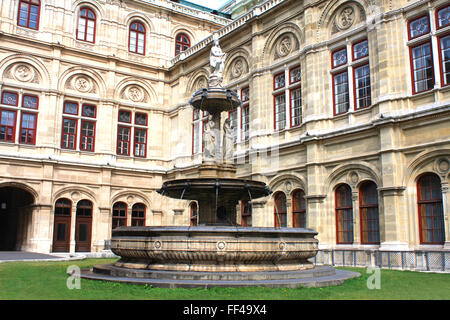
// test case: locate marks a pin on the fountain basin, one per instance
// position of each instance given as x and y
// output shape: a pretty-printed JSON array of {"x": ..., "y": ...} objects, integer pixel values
[{"x": 214, "y": 249}]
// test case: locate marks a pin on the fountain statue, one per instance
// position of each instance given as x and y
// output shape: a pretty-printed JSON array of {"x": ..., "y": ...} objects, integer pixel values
[{"x": 216, "y": 252}]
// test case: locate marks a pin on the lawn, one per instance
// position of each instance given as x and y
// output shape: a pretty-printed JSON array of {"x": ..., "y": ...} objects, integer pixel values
[{"x": 47, "y": 280}]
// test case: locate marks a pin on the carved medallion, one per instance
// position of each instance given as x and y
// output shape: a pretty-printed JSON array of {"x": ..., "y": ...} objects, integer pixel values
[
  {"x": 238, "y": 68},
  {"x": 200, "y": 83},
  {"x": 135, "y": 94},
  {"x": 284, "y": 47},
  {"x": 82, "y": 84},
  {"x": 23, "y": 72},
  {"x": 345, "y": 18}
]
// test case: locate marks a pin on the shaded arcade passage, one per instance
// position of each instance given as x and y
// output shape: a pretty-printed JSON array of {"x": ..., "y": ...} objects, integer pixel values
[{"x": 15, "y": 206}]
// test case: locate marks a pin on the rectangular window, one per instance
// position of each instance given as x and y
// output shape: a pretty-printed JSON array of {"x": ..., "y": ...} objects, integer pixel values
[
  {"x": 339, "y": 57},
  {"x": 296, "y": 107},
  {"x": 140, "y": 119},
  {"x": 295, "y": 75},
  {"x": 89, "y": 111},
  {"x": 123, "y": 141},
  {"x": 362, "y": 86},
  {"x": 245, "y": 123},
  {"x": 280, "y": 112},
  {"x": 360, "y": 50},
  {"x": 125, "y": 116},
  {"x": 140, "y": 142},
  {"x": 69, "y": 133},
  {"x": 340, "y": 92},
  {"x": 10, "y": 98},
  {"x": 444, "y": 51},
  {"x": 422, "y": 67},
  {"x": 31, "y": 102},
  {"x": 7, "y": 125},
  {"x": 419, "y": 27},
  {"x": 28, "y": 128},
  {"x": 279, "y": 81},
  {"x": 70, "y": 108},
  {"x": 28, "y": 14},
  {"x": 443, "y": 17},
  {"x": 87, "y": 135}
]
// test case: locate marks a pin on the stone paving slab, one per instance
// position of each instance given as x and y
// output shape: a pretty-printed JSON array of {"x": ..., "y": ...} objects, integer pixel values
[{"x": 23, "y": 255}]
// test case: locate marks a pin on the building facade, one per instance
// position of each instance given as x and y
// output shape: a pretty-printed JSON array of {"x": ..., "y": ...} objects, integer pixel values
[{"x": 345, "y": 115}]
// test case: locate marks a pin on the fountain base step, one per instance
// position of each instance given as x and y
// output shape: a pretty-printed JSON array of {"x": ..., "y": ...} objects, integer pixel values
[{"x": 319, "y": 276}]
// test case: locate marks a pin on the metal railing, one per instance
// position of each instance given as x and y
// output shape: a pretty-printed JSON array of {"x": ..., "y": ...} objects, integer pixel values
[{"x": 438, "y": 261}]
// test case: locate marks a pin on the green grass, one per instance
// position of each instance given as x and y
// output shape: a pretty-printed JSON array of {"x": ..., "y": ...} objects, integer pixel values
[{"x": 47, "y": 280}]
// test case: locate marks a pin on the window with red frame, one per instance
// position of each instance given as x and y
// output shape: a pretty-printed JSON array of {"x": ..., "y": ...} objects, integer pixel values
[
  {"x": 340, "y": 92},
  {"x": 361, "y": 75},
  {"x": 431, "y": 214},
  {"x": 7, "y": 125},
  {"x": 421, "y": 56},
  {"x": 69, "y": 134},
  {"x": 298, "y": 209},
  {"x": 279, "y": 82},
  {"x": 444, "y": 55},
  {"x": 119, "y": 216},
  {"x": 280, "y": 210},
  {"x": 87, "y": 140},
  {"x": 140, "y": 142},
  {"x": 137, "y": 37},
  {"x": 182, "y": 43},
  {"x": 369, "y": 215},
  {"x": 295, "y": 94},
  {"x": 199, "y": 120},
  {"x": 29, "y": 11},
  {"x": 138, "y": 215},
  {"x": 123, "y": 140},
  {"x": 344, "y": 214},
  {"x": 28, "y": 117},
  {"x": 245, "y": 113},
  {"x": 28, "y": 128},
  {"x": 443, "y": 17},
  {"x": 86, "y": 25},
  {"x": 193, "y": 214}
]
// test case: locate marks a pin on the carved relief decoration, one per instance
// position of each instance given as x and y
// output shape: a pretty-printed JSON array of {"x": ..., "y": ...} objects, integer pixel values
[
  {"x": 134, "y": 93},
  {"x": 81, "y": 83},
  {"x": 200, "y": 83},
  {"x": 22, "y": 72},
  {"x": 347, "y": 16},
  {"x": 286, "y": 44},
  {"x": 239, "y": 67}
]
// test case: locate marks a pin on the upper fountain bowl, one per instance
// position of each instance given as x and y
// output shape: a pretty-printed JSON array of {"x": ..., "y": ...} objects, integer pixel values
[{"x": 215, "y": 100}]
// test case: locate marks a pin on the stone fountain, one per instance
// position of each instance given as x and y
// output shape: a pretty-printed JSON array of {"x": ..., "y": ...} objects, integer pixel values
[{"x": 216, "y": 252}]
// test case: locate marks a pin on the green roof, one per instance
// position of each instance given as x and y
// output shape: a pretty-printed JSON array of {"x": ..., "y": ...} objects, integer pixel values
[{"x": 202, "y": 8}]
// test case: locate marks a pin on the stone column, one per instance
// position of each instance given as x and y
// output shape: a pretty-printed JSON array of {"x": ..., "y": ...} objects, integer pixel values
[{"x": 356, "y": 220}]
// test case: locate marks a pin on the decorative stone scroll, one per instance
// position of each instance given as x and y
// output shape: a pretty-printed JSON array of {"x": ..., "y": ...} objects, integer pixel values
[
  {"x": 22, "y": 72},
  {"x": 285, "y": 45}
]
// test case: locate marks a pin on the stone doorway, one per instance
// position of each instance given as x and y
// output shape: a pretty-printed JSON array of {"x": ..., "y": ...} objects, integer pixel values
[{"x": 15, "y": 213}]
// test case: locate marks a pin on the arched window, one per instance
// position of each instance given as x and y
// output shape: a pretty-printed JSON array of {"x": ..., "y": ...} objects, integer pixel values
[
  {"x": 84, "y": 208},
  {"x": 138, "y": 215},
  {"x": 86, "y": 25},
  {"x": 246, "y": 214},
  {"x": 298, "y": 209},
  {"x": 63, "y": 207},
  {"x": 344, "y": 214},
  {"x": 431, "y": 217},
  {"x": 119, "y": 215},
  {"x": 83, "y": 226},
  {"x": 280, "y": 210},
  {"x": 193, "y": 214},
  {"x": 61, "y": 225},
  {"x": 137, "y": 37},
  {"x": 182, "y": 43},
  {"x": 369, "y": 214},
  {"x": 29, "y": 11}
]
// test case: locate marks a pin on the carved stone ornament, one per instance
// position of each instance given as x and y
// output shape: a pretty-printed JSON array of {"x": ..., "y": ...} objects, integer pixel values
[
  {"x": 23, "y": 73},
  {"x": 345, "y": 18},
  {"x": 285, "y": 46},
  {"x": 238, "y": 68},
  {"x": 200, "y": 83},
  {"x": 442, "y": 165},
  {"x": 135, "y": 94},
  {"x": 82, "y": 84}
]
